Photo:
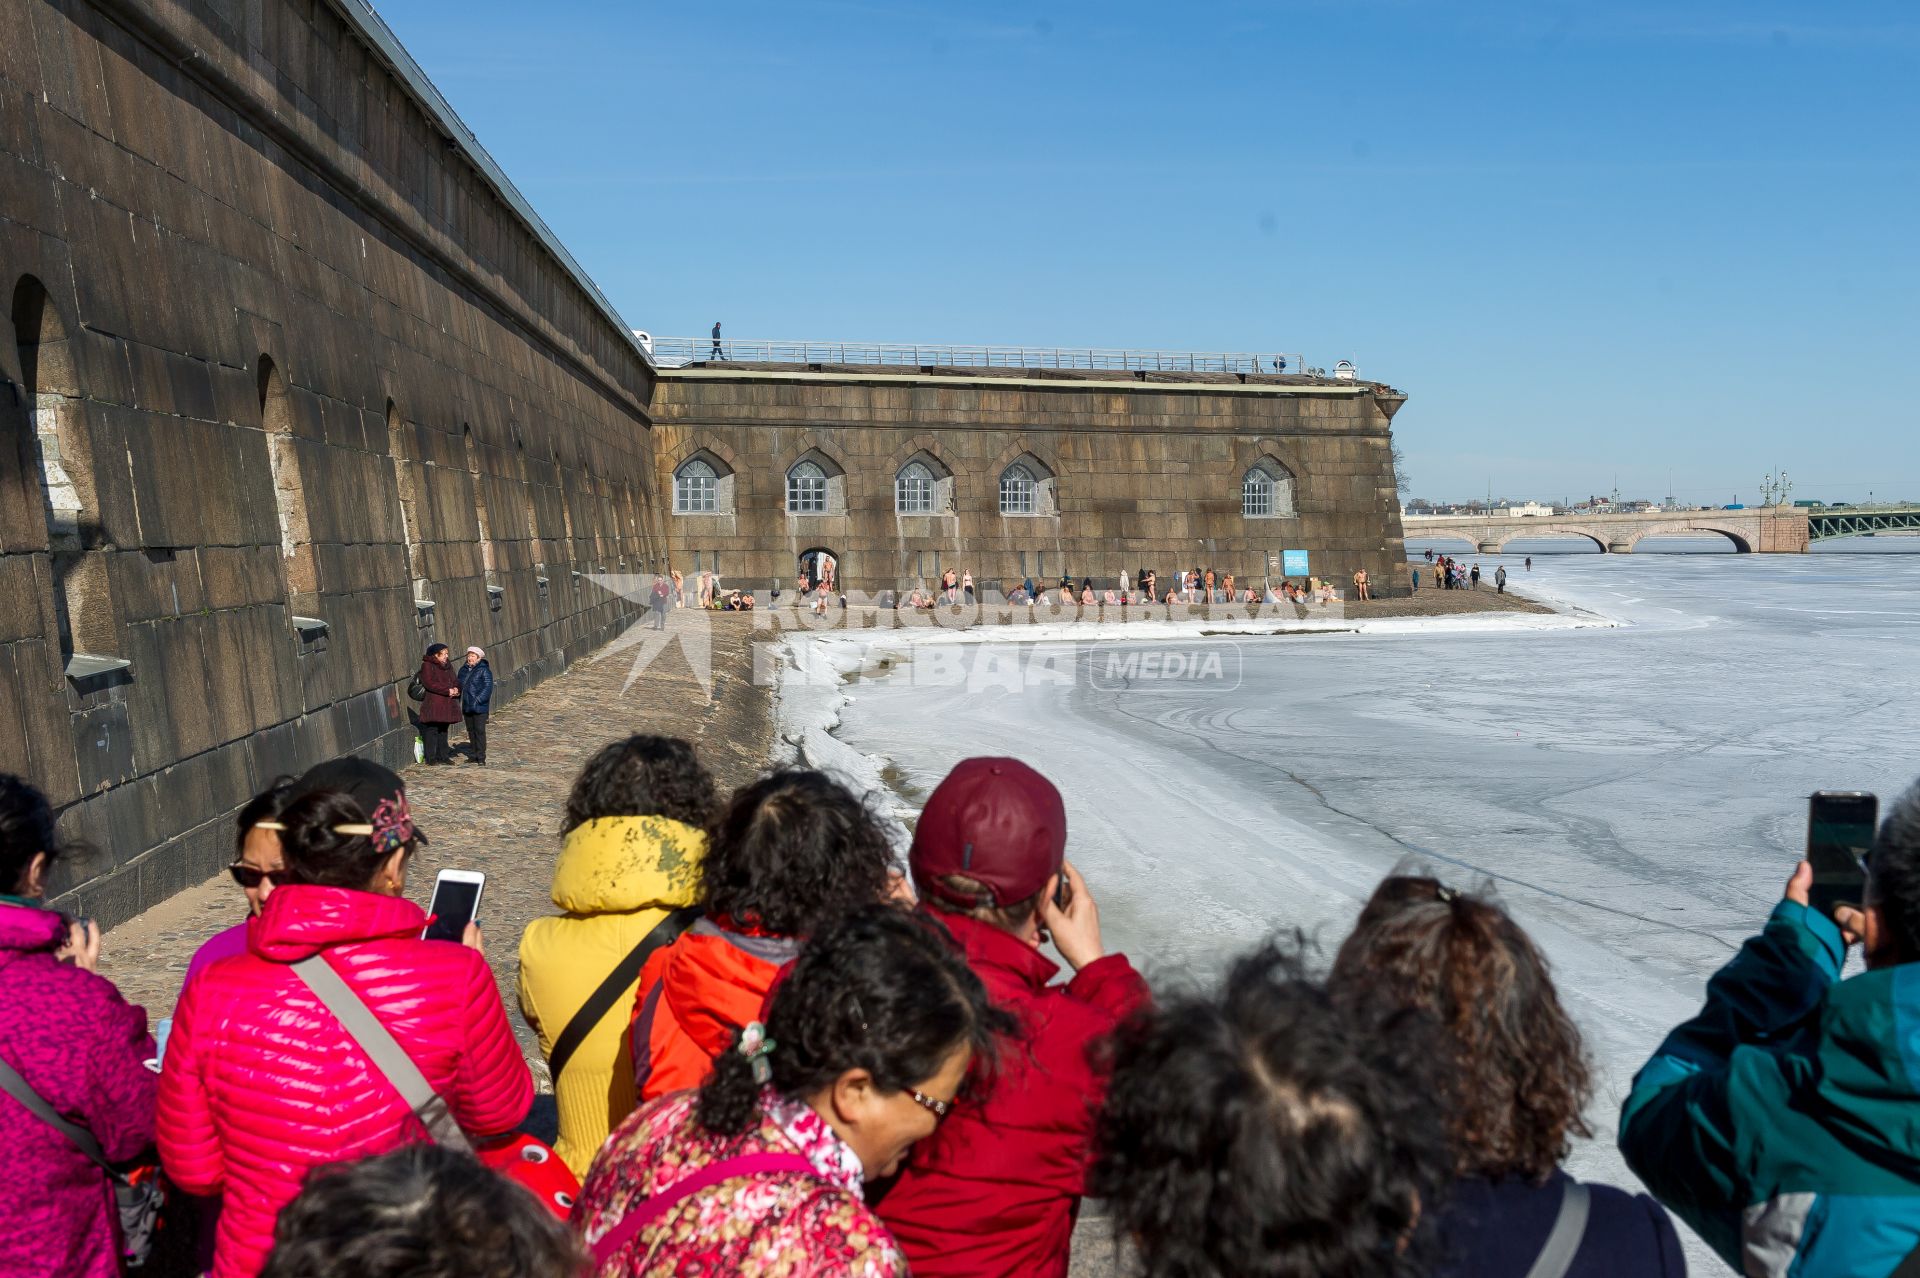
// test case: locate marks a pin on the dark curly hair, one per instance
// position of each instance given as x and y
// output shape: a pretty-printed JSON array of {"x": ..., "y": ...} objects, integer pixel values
[
  {"x": 315, "y": 854},
  {"x": 642, "y": 776},
  {"x": 424, "y": 1211},
  {"x": 881, "y": 990},
  {"x": 1269, "y": 1130},
  {"x": 791, "y": 852},
  {"x": 26, "y": 830},
  {"x": 1520, "y": 1080}
]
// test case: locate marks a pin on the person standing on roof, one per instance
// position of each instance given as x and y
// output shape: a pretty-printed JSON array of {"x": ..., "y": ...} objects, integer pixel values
[{"x": 716, "y": 342}]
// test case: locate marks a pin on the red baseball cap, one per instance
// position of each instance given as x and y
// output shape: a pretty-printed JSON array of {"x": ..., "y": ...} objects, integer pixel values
[{"x": 996, "y": 821}]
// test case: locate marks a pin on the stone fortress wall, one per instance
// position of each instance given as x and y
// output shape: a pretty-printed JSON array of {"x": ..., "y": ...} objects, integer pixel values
[
  {"x": 282, "y": 360},
  {"x": 1130, "y": 470}
]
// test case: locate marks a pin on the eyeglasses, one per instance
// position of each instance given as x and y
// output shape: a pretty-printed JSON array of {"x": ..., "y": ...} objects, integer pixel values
[
  {"x": 250, "y": 877},
  {"x": 938, "y": 1108}
]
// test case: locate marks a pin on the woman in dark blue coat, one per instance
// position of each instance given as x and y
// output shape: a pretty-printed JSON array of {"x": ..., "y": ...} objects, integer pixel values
[
  {"x": 1519, "y": 1083},
  {"x": 476, "y": 701}
]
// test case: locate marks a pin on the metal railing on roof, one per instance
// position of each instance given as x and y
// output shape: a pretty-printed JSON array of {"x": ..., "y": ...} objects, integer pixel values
[{"x": 684, "y": 352}]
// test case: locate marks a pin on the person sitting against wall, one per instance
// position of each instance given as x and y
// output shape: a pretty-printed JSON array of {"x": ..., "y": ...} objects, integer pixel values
[{"x": 440, "y": 708}]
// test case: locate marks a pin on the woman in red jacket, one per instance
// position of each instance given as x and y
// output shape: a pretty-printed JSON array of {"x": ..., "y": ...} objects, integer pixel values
[
  {"x": 441, "y": 706},
  {"x": 261, "y": 1083},
  {"x": 995, "y": 1193}
]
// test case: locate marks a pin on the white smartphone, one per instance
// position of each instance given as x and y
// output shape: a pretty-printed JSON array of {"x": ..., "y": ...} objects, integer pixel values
[{"x": 456, "y": 903}]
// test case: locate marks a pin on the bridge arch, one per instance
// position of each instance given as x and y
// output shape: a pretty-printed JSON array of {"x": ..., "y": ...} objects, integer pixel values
[
  {"x": 1548, "y": 534},
  {"x": 1741, "y": 545}
]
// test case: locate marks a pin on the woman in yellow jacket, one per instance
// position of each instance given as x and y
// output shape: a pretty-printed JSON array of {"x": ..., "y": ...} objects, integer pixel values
[{"x": 628, "y": 871}]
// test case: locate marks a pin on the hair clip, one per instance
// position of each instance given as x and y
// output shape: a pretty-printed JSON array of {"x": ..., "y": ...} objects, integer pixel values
[
  {"x": 756, "y": 1047},
  {"x": 269, "y": 825},
  {"x": 1447, "y": 894}
]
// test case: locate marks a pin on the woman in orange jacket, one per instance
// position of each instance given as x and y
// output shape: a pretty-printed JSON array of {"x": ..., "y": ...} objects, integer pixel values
[{"x": 792, "y": 851}]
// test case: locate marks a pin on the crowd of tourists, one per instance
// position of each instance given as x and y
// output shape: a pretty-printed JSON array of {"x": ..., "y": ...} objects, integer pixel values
[
  {"x": 1195, "y": 587},
  {"x": 776, "y": 1051},
  {"x": 1451, "y": 574}
]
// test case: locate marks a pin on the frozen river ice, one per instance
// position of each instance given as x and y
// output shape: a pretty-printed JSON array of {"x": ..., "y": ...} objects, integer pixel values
[{"x": 1635, "y": 795}]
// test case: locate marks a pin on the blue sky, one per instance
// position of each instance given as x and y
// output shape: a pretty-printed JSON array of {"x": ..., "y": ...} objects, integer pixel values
[{"x": 1595, "y": 243}]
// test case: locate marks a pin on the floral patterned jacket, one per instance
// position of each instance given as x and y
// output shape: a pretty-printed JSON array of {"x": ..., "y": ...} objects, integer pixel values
[{"x": 779, "y": 1226}]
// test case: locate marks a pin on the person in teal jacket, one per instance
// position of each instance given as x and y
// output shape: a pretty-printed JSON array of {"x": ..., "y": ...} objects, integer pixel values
[{"x": 1783, "y": 1122}]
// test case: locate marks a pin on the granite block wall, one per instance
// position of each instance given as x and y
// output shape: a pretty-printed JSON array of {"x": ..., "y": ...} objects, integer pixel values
[
  {"x": 1145, "y": 471},
  {"x": 288, "y": 389}
]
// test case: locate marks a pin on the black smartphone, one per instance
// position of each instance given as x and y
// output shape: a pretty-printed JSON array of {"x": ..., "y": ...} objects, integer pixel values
[
  {"x": 455, "y": 903},
  {"x": 1063, "y": 893},
  {"x": 1840, "y": 825}
]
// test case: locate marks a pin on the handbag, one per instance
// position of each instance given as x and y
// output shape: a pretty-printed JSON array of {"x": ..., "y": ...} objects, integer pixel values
[
  {"x": 138, "y": 1195},
  {"x": 416, "y": 691},
  {"x": 520, "y": 1158}
]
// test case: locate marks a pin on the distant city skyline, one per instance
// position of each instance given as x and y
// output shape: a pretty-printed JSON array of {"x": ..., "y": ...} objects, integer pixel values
[{"x": 1620, "y": 239}]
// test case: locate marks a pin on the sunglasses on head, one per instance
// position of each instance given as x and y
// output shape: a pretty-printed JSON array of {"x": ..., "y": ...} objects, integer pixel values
[{"x": 248, "y": 876}]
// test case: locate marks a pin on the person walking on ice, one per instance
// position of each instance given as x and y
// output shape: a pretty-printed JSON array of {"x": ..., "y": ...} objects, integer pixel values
[{"x": 1500, "y": 579}]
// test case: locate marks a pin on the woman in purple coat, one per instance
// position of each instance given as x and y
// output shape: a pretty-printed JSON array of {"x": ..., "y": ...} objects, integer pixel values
[
  {"x": 441, "y": 706},
  {"x": 79, "y": 1046}
]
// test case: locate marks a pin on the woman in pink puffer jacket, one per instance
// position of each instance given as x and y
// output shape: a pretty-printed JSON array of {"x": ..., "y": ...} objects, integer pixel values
[
  {"x": 79, "y": 1046},
  {"x": 261, "y": 1082}
]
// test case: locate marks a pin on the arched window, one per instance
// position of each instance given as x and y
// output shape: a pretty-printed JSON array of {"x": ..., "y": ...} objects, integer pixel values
[
  {"x": 696, "y": 488},
  {"x": 1017, "y": 491},
  {"x": 1266, "y": 491},
  {"x": 1256, "y": 494},
  {"x": 703, "y": 485},
  {"x": 53, "y": 414},
  {"x": 913, "y": 490},
  {"x": 806, "y": 489}
]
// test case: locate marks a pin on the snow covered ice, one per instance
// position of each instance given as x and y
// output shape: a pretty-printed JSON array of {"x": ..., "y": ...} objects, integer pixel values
[{"x": 1636, "y": 795}]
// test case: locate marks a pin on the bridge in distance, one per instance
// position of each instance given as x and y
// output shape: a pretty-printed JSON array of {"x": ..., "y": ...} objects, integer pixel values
[{"x": 1762, "y": 529}]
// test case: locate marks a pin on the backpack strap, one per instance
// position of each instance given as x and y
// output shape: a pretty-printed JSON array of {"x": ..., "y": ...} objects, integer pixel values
[
  {"x": 383, "y": 1051},
  {"x": 1563, "y": 1240},
  {"x": 17, "y": 1087},
  {"x": 643, "y": 1213},
  {"x": 618, "y": 982}
]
